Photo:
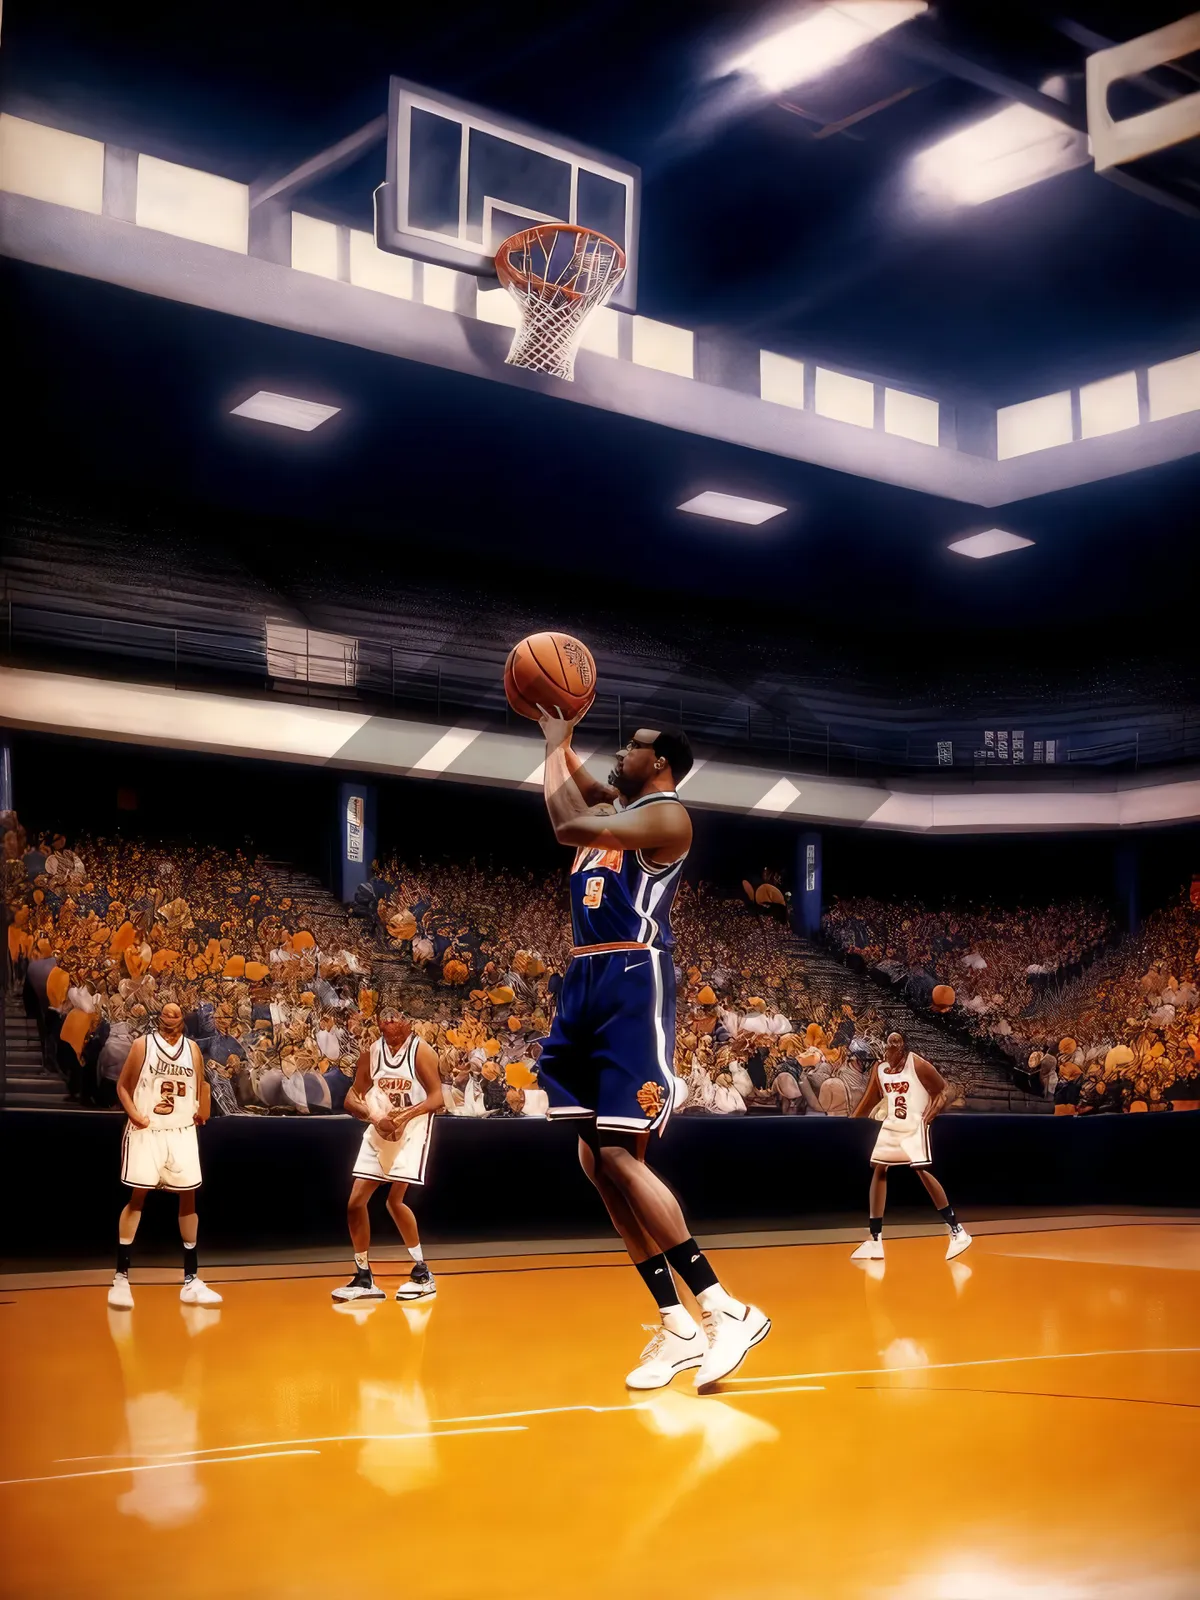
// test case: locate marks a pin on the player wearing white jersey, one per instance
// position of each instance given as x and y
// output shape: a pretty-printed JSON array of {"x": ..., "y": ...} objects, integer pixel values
[
  {"x": 397, "y": 1091},
  {"x": 912, "y": 1092},
  {"x": 165, "y": 1096}
]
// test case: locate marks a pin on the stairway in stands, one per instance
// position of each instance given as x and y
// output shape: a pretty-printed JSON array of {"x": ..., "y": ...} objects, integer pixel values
[
  {"x": 311, "y": 899},
  {"x": 29, "y": 1085},
  {"x": 987, "y": 1086}
]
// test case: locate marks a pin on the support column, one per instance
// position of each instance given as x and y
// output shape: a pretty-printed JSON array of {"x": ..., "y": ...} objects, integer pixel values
[
  {"x": 356, "y": 813},
  {"x": 1127, "y": 883},
  {"x": 6, "y": 788},
  {"x": 808, "y": 902}
]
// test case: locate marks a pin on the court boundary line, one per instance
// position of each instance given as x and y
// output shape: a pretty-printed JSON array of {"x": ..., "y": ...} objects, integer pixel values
[
  {"x": 158, "y": 1466},
  {"x": 97, "y": 1277},
  {"x": 1038, "y": 1394},
  {"x": 983, "y": 1361},
  {"x": 781, "y": 1383}
]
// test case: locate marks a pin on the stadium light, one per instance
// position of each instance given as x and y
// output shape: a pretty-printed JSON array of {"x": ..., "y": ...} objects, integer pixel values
[
  {"x": 992, "y": 542},
  {"x": 1009, "y": 150},
  {"x": 285, "y": 410},
  {"x": 730, "y": 508},
  {"x": 823, "y": 38}
]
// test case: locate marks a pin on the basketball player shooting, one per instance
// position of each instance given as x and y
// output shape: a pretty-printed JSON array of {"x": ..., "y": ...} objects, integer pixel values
[
  {"x": 397, "y": 1089},
  {"x": 913, "y": 1092},
  {"x": 163, "y": 1090},
  {"x": 608, "y": 1059}
]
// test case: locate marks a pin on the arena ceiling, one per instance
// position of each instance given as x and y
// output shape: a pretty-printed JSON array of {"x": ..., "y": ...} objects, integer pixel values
[{"x": 767, "y": 220}]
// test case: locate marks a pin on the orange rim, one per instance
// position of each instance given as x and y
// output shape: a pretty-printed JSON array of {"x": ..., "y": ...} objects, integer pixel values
[{"x": 510, "y": 277}]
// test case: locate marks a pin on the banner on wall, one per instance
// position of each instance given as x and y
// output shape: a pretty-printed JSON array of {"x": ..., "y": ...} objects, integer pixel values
[{"x": 354, "y": 828}]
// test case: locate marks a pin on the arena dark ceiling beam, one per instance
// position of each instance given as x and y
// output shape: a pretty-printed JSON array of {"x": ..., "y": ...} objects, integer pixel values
[{"x": 324, "y": 164}]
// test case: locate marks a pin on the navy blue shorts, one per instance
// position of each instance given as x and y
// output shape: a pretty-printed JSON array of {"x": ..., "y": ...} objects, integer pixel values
[{"x": 611, "y": 1048}]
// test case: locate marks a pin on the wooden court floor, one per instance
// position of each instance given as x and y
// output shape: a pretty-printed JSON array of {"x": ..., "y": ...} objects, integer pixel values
[{"x": 1023, "y": 1428}]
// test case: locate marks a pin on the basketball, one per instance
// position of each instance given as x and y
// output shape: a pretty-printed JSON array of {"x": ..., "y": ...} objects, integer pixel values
[
  {"x": 551, "y": 670},
  {"x": 943, "y": 997}
]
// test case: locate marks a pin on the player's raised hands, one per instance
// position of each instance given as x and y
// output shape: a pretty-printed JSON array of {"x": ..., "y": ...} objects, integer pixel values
[{"x": 557, "y": 728}]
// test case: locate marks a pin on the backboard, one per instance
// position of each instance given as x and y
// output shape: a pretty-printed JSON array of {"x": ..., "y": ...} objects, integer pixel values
[{"x": 461, "y": 179}]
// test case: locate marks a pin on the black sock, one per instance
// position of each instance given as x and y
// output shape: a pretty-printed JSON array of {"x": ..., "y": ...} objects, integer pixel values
[
  {"x": 947, "y": 1215},
  {"x": 191, "y": 1266},
  {"x": 124, "y": 1257},
  {"x": 656, "y": 1275},
  {"x": 877, "y": 1227},
  {"x": 691, "y": 1264}
]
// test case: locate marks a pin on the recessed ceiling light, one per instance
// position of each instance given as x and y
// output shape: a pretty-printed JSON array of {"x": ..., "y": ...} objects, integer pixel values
[
  {"x": 1008, "y": 150},
  {"x": 993, "y": 542},
  {"x": 823, "y": 38},
  {"x": 285, "y": 410},
  {"x": 731, "y": 507}
]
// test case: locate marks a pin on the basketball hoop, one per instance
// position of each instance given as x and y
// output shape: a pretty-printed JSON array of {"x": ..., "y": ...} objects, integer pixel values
[{"x": 558, "y": 274}]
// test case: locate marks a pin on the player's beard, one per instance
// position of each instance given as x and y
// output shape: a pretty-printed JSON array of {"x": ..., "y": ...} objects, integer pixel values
[{"x": 625, "y": 786}]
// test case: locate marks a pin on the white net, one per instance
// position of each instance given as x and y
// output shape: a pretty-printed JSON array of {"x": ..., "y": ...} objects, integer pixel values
[{"x": 558, "y": 275}]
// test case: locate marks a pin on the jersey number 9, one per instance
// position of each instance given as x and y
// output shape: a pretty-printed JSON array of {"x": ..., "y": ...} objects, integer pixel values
[{"x": 593, "y": 893}]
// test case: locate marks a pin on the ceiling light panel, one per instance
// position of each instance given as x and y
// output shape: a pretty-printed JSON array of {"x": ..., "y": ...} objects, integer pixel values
[
  {"x": 992, "y": 542},
  {"x": 285, "y": 411},
  {"x": 731, "y": 508},
  {"x": 823, "y": 38}
]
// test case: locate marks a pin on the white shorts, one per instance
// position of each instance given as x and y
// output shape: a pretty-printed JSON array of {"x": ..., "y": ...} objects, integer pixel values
[
  {"x": 401, "y": 1160},
  {"x": 160, "y": 1158},
  {"x": 898, "y": 1146}
]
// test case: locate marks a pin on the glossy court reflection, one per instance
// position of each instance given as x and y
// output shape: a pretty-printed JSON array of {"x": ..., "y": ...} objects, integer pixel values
[{"x": 1039, "y": 1403}]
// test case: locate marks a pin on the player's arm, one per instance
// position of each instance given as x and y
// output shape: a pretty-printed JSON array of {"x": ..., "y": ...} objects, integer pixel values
[
  {"x": 356, "y": 1094},
  {"x": 666, "y": 829},
  {"x": 934, "y": 1085},
  {"x": 431, "y": 1082},
  {"x": 593, "y": 791},
  {"x": 127, "y": 1082},
  {"x": 871, "y": 1096},
  {"x": 203, "y": 1097}
]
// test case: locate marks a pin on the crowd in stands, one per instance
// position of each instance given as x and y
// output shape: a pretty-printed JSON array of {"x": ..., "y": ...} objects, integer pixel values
[
  {"x": 104, "y": 931},
  {"x": 1095, "y": 1024}
]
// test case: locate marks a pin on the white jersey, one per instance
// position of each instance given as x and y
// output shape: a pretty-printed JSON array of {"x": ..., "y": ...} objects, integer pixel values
[
  {"x": 167, "y": 1093},
  {"x": 394, "y": 1082},
  {"x": 906, "y": 1096},
  {"x": 395, "y": 1086}
]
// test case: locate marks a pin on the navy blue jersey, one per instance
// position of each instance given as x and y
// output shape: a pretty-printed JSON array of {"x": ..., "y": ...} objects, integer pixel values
[{"x": 617, "y": 896}]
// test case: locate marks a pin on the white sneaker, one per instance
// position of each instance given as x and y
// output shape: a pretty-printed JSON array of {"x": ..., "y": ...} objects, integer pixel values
[
  {"x": 666, "y": 1354},
  {"x": 419, "y": 1284},
  {"x": 120, "y": 1296},
  {"x": 869, "y": 1250},
  {"x": 730, "y": 1337},
  {"x": 362, "y": 1286},
  {"x": 960, "y": 1240},
  {"x": 196, "y": 1292}
]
